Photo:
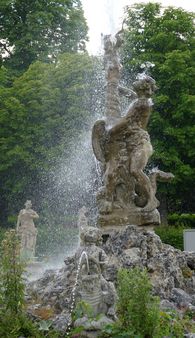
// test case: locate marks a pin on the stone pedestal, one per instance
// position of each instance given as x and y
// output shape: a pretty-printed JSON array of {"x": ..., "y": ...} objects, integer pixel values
[{"x": 119, "y": 220}]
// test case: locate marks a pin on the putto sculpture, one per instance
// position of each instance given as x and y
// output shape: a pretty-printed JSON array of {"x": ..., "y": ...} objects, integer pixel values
[
  {"x": 123, "y": 146},
  {"x": 92, "y": 287},
  {"x": 27, "y": 231}
]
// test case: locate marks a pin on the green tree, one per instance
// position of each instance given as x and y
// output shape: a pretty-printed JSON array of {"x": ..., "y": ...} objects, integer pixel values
[
  {"x": 41, "y": 115},
  {"x": 165, "y": 37},
  {"x": 40, "y": 30}
]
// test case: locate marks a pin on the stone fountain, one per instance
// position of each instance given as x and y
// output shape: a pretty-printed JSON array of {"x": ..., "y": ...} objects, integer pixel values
[
  {"x": 89, "y": 276},
  {"x": 126, "y": 202},
  {"x": 122, "y": 145},
  {"x": 84, "y": 280}
]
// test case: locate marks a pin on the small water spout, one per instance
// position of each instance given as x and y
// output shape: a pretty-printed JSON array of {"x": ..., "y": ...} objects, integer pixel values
[{"x": 83, "y": 254}]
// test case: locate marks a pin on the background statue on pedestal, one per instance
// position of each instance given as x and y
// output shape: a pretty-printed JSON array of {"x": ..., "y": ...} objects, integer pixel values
[{"x": 27, "y": 231}]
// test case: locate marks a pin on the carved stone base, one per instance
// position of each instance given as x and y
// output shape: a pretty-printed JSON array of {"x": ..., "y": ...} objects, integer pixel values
[{"x": 119, "y": 219}]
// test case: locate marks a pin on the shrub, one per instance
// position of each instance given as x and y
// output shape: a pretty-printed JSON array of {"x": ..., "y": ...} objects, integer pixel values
[
  {"x": 137, "y": 309},
  {"x": 187, "y": 220},
  {"x": 82, "y": 309},
  {"x": 16, "y": 326},
  {"x": 12, "y": 286},
  {"x": 139, "y": 314},
  {"x": 170, "y": 325},
  {"x": 13, "y": 321},
  {"x": 171, "y": 235}
]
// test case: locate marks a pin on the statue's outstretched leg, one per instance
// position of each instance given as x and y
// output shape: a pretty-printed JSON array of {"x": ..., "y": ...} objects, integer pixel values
[{"x": 159, "y": 175}]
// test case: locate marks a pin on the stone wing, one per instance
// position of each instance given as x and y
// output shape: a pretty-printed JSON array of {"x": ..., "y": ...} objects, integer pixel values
[{"x": 99, "y": 134}]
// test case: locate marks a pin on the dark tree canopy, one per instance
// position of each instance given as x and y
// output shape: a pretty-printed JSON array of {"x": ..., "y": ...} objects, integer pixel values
[
  {"x": 165, "y": 37},
  {"x": 42, "y": 114},
  {"x": 39, "y": 30},
  {"x": 47, "y": 101}
]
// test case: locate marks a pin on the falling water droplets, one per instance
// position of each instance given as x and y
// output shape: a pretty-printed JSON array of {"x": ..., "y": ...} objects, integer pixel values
[{"x": 72, "y": 305}]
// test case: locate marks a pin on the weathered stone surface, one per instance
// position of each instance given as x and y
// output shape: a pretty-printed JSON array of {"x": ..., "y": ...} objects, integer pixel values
[
  {"x": 128, "y": 194},
  {"x": 190, "y": 256},
  {"x": 122, "y": 145},
  {"x": 126, "y": 248},
  {"x": 166, "y": 265},
  {"x": 61, "y": 321},
  {"x": 193, "y": 299},
  {"x": 180, "y": 297},
  {"x": 90, "y": 324},
  {"x": 167, "y": 305},
  {"x": 112, "y": 68},
  {"x": 131, "y": 257},
  {"x": 82, "y": 279}
]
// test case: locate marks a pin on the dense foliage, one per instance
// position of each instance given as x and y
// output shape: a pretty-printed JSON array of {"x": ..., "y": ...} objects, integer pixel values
[
  {"x": 48, "y": 97},
  {"x": 187, "y": 220},
  {"x": 44, "y": 93},
  {"x": 165, "y": 37},
  {"x": 14, "y": 322},
  {"x": 139, "y": 313},
  {"x": 40, "y": 30},
  {"x": 41, "y": 116},
  {"x": 137, "y": 308},
  {"x": 11, "y": 283},
  {"x": 171, "y": 235}
]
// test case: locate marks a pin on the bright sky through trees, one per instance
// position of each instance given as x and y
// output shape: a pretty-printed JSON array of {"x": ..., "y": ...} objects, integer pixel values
[{"x": 105, "y": 16}]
